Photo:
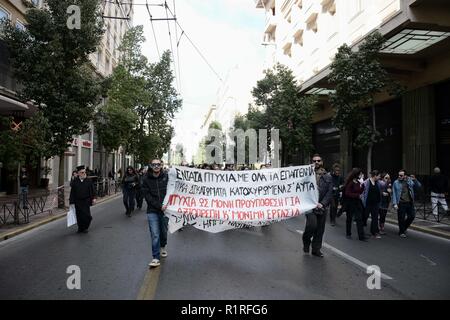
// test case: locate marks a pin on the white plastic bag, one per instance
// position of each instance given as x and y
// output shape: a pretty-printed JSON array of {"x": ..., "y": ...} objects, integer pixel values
[{"x": 71, "y": 216}]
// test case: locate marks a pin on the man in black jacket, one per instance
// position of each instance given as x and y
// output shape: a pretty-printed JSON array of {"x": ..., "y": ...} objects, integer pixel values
[
  {"x": 439, "y": 190},
  {"x": 315, "y": 220},
  {"x": 154, "y": 188}
]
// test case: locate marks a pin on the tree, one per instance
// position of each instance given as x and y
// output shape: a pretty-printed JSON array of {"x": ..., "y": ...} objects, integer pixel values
[
  {"x": 359, "y": 76},
  {"x": 51, "y": 62},
  {"x": 285, "y": 108},
  {"x": 241, "y": 122},
  {"x": 27, "y": 144},
  {"x": 147, "y": 90}
]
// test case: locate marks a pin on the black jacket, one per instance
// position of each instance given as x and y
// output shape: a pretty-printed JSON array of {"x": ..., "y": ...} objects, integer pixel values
[
  {"x": 154, "y": 190},
  {"x": 439, "y": 183},
  {"x": 130, "y": 181},
  {"x": 325, "y": 187}
]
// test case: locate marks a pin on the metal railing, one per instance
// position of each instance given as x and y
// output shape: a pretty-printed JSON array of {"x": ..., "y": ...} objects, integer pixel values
[
  {"x": 106, "y": 186},
  {"x": 17, "y": 210},
  {"x": 425, "y": 207}
]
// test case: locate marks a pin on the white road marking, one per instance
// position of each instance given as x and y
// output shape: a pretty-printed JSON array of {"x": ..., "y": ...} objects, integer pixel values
[
  {"x": 350, "y": 258},
  {"x": 429, "y": 260}
]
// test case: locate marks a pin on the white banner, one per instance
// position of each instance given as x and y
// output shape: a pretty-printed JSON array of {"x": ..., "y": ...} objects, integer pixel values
[{"x": 216, "y": 201}]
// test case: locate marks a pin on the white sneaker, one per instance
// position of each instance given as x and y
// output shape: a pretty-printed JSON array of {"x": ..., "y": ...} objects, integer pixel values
[
  {"x": 154, "y": 263},
  {"x": 163, "y": 252},
  {"x": 403, "y": 235}
]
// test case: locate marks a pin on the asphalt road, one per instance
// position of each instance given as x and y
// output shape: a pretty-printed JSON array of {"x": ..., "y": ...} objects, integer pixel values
[{"x": 259, "y": 263}]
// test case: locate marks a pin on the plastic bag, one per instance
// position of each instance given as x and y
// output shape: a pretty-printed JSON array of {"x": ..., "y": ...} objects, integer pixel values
[{"x": 71, "y": 216}]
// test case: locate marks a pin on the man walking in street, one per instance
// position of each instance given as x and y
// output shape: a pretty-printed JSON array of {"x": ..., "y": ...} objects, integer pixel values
[
  {"x": 439, "y": 188},
  {"x": 154, "y": 188},
  {"x": 24, "y": 183},
  {"x": 139, "y": 195},
  {"x": 82, "y": 195},
  {"x": 403, "y": 191},
  {"x": 338, "y": 184},
  {"x": 315, "y": 220},
  {"x": 372, "y": 200}
]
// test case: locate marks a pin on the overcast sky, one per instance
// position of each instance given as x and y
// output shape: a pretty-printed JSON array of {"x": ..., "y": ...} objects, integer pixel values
[{"x": 227, "y": 32}]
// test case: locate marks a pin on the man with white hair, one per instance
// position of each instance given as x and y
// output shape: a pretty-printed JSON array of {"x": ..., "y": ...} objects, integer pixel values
[{"x": 439, "y": 188}]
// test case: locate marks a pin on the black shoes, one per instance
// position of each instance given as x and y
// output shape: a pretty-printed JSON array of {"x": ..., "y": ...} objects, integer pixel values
[
  {"x": 364, "y": 239},
  {"x": 317, "y": 254},
  {"x": 306, "y": 249},
  {"x": 83, "y": 231}
]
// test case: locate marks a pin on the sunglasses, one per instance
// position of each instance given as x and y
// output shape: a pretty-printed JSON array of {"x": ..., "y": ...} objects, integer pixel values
[
  {"x": 82, "y": 172},
  {"x": 317, "y": 160},
  {"x": 401, "y": 175},
  {"x": 155, "y": 165}
]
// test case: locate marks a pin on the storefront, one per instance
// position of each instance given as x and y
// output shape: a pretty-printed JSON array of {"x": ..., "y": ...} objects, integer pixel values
[{"x": 326, "y": 140}]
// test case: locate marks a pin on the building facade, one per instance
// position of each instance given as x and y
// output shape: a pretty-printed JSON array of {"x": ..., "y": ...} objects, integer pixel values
[
  {"x": 306, "y": 34},
  {"x": 84, "y": 149}
]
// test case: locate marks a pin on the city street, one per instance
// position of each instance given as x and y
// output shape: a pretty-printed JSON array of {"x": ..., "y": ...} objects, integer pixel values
[{"x": 258, "y": 263}]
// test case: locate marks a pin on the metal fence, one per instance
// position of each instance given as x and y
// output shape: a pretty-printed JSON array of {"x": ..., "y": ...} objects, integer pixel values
[
  {"x": 18, "y": 209},
  {"x": 425, "y": 207}
]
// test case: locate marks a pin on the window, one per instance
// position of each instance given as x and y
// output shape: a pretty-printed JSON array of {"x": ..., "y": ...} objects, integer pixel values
[
  {"x": 20, "y": 25},
  {"x": 107, "y": 65},
  {"x": 35, "y": 2},
  {"x": 99, "y": 57},
  {"x": 4, "y": 14}
]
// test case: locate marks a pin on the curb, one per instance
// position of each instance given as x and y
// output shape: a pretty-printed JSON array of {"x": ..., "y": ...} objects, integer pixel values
[
  {"x": 44, "y": 221},
  {"x": 422, "y": 229}
]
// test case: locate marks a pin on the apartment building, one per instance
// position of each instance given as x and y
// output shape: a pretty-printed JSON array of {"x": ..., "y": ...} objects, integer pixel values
[
  {"x": 85, "y": 149},
  {"x": 305, "y": 35}
]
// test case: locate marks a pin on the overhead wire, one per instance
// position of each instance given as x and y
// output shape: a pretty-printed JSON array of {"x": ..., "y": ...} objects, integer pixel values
[
  {"x": 196, "y": 48},
  {"x": 178, "y": 42},
  {"x": 171, "y": 47},
  {"x": 181, "y": 28},
  {"x": 153, "y": 29}
]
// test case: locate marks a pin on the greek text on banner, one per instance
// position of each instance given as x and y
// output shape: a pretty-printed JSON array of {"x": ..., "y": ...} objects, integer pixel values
[{"x": 216, "y": 201}]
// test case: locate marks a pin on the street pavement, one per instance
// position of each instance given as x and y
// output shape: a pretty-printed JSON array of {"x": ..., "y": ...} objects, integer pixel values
[{"x": 259, "y": 263}]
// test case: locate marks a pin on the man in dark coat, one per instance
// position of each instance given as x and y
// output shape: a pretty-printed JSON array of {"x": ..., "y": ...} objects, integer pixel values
[
  {"x": 82, "y": 195},
  {"x": 315, "y": 220}
]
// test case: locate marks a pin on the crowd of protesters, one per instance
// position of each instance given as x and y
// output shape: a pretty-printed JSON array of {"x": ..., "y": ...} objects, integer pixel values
[{"x": 356, "y": 196}]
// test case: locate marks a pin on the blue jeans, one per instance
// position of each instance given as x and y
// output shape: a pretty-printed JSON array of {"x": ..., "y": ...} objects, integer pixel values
[
  {"x": 24, "y": 196},
  {"x": 157, "y": 224}
]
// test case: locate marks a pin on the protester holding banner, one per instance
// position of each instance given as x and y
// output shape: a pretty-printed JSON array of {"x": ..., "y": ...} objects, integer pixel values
[
  {"x": 315, "y": 220},
  {"x": 154, "y": 188}
]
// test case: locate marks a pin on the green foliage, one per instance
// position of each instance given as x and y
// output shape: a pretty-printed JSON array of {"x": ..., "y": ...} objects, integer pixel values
[
  {"x": 358, "y": 76},
  {"x": 51, "y": 62},
  {"x": 141, "y": 102},
  {"x": 114, "y": 125},
  {"x": 283, "y": 107},
  {"x": 29, "y": 144}
]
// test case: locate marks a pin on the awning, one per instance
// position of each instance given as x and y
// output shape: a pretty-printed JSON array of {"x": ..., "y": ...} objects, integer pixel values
[{"x": 8, "y": 105}]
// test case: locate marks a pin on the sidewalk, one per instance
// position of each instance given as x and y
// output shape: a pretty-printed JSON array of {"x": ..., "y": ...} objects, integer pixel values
[
  {"x": 12, "y": 230},
  {"x": 427, "y": 226}
]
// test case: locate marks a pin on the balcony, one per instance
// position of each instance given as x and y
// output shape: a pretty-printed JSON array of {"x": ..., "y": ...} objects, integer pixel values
[
  {"x": 271, "y": 23},
  {"x": 260, "y": 4}
]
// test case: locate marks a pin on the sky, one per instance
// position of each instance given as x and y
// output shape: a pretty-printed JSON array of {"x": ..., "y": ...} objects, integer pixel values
[{"x": 227, "y": 32}]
